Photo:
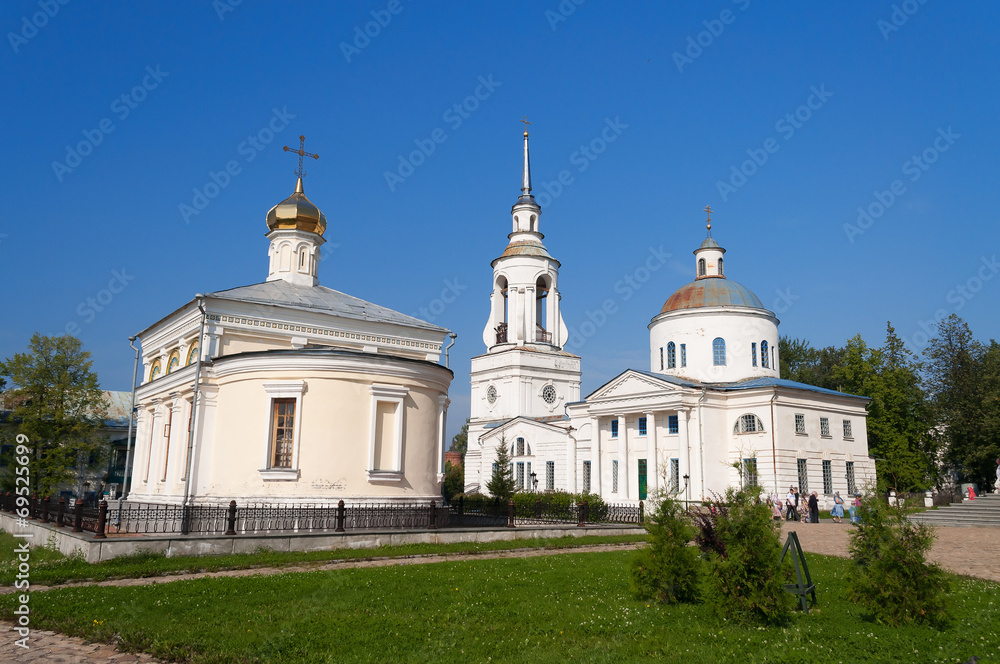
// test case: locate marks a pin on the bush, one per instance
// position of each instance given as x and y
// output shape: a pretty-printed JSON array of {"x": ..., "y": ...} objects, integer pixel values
[
  {"x": 669, "y": 570},
  {"x": 892, "y": 579},
  {"x": 746, "y": 583}
]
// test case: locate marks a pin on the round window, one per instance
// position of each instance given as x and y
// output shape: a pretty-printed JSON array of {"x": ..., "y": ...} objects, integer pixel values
[
  {"x": 549, "y": 394},
  {"x": 491, "y": 394}
]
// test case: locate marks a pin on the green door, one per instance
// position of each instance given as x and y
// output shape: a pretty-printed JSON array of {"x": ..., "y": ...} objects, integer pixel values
[{"x": 642, "y": 479}]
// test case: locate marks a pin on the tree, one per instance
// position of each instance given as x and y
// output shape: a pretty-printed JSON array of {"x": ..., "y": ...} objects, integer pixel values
[
  {"x": 58, "y": 405},
  {"x": 501, "y": 484},
  {"x": 804, "y": 364},
  {"x": 460, "y": 443},
  {"x": 963, "y": 379},
  {"x": 454, "y": 480}
]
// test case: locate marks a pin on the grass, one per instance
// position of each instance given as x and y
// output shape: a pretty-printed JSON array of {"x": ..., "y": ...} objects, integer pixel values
[
  {"x": 49, "y": 567},
  {"x": 571, "y": 607}
]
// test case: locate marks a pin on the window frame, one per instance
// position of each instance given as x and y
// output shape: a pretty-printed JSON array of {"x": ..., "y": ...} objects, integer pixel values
[
  {"x": 827, "y": 477},
  {"x": 587, "y": 476},
  {"x": 684, "y": 355},
  {"x": 800, "y": 418},
  {"x": 550, "y": 475},
  {"x": 673, "y": 424},
  {"x": 849, "y": 475},
  {"x": 802, "y": 475},
  {"x": 719, "y": 351},
  {"x": 614, "y": 476},
  {"x": 848, "y": 430},
  {"x": 748, "y": 423},
  {"x": 824, "y": 427},
  {"x": 643, "y": 428},
  {"x": 614, "y": 427},
  {"x": 671, "y": 355},
  {"x": 753, "y": 353},
  {"x": 279, "y": 390}
]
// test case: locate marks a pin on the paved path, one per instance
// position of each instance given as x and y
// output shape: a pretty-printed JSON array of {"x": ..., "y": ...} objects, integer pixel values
[{"x": 971, "y": 551}]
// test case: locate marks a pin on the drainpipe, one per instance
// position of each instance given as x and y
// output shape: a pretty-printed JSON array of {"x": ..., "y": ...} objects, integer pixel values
[
  {"x": 701, "y": 441},
  {"x": 774, "y": 453},
  {"x": 131, "y": 416},
  {"x": 194, "y": 409},
  {"x": 446, "y": 348}
]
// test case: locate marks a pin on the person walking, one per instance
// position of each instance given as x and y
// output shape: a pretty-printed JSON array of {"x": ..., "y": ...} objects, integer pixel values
[
  {"x": 775, "y": 501},
  {"x": 813, "y": 508},
  {"x": 838, "y": 508},
  {"x": 791, "y": 501},
  {"x": 855, "y": 517}
]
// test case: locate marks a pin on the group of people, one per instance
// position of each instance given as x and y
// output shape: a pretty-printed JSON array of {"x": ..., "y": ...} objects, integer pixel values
[{"x": 790, "y": 508}]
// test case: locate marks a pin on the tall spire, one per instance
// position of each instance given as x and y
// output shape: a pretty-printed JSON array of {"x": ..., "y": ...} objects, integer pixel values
[{"x": 526, "y": 196}]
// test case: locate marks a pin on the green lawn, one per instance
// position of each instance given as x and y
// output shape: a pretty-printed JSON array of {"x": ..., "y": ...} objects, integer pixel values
[
  {"x": 49, "y": 567},
  {"x": 570, "y": 607}
]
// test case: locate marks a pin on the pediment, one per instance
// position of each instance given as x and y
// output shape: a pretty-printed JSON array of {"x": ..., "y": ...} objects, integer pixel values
[{"x": 631, "y": 384}]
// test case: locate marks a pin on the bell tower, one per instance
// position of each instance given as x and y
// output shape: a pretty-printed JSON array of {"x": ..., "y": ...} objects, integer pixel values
[{"x": 524, "y": 371}]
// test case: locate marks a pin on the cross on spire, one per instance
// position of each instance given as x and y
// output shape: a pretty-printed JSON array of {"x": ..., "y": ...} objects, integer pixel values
[
  {"x": 302, "y": 153},
  {"x": 526, "y": 123},
  {"x": 708, "y": 222}
]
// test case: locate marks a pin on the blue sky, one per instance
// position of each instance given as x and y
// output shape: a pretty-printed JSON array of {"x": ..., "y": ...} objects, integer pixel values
[{"x": 822, "y": 106}]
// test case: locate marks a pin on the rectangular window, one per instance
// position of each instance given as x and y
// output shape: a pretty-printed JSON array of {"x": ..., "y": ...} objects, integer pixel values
[
  {"x": 642, "y": 479},
  {"x": 847, "y": 429},
  {"x": 672, "y": 426},
  {"x": 661, "y": 358},
  {"x": 675, "y": 476},
  {"x": 824, "y": 426},
  {"x": 495, "y": 466},
  {"x": 531, "y": 484},
  {"x": 520, "y": 475},
  {"x": 684, "y": 355},
  {"x": 753, "y": 353},
  {"x": 282, "y": 433},
  {"x": 586, "y": 477},
  {"x": 614, "y": 428},
  {"x": 750, "y": 472},
  {"x": 800, "y": 423},
  {"x": 803, "y": 476},
  {"x": 614, "y": 476},
  {"x": 550, "y": 475},
  {"x": 642, "y": 426},
  {"x": 827, "y": 477},
  {"x": 851, "y": 488}
]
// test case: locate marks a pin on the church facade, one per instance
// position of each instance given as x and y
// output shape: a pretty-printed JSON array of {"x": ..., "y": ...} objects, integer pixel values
[
  {"x": 286, "y": 391},
  {"x": 711, "y": 411}
]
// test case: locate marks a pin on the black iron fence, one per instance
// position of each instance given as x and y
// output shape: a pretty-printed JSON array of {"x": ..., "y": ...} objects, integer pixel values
[
  {"x": 147, "y": 519},
  {"x": 486, "y": 511}
]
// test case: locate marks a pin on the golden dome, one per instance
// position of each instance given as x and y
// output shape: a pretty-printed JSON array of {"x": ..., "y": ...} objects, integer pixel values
[{"x": 298, "y": 213}]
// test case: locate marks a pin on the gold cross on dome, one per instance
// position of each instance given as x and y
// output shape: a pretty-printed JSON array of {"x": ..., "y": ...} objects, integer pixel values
[
  {"x": 526, "y": 123},
  {"x": 708, "y": 211},
  {"x": 302, "y": 153}
]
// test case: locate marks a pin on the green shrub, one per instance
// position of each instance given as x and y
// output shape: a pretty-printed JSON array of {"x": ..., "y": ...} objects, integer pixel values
[
  {"x": 891, "y": 578},
  {"x": 746, "y": 583},
  {"x": 669, "y": 570}
]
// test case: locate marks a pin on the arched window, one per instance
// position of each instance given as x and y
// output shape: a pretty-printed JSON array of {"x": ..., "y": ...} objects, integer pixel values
[
  {"x": 701, "y": 267},
  {"x": 174, "y": 361},
  {"x": 671, "y": 356},
  {"x": 719, "y": 352},
  {"x": 764, "y": 357},
  {"x": 520, "y": 447},
  {"x": 192, "y": 354},
  {"x": 753, "y": 353},
  {"x": 748, "y": 423},
  {"x": 721, "y": 273}
]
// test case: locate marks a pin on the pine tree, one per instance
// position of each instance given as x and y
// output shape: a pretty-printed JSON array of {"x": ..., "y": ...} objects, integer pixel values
[{"x": 501, "y": 484}]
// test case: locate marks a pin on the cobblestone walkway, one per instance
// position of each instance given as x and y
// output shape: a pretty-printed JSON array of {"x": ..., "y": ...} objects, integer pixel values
[{"x": 970, "y": 551}]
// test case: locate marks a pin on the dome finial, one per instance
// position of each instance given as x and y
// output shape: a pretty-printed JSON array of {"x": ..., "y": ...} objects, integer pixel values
[
  {"x": 708, "y": 222},
  {"x": 302, "y": 153}
]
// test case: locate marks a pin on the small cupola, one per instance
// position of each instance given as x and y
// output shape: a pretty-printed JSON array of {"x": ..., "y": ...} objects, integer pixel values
[
  {"x": 295, "y": 227},
  {"x": 708, "y": 257}
]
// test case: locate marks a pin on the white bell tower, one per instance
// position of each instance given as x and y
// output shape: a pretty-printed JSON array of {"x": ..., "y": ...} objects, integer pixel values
[{"x": 525, "y": 371}]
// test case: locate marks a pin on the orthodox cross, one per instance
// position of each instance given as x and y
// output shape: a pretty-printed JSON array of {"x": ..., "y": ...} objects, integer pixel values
[
  {"x": 302, "y": 153},
  {"x": 526, "y": 123},
  {"x": 708, "y": 210}
]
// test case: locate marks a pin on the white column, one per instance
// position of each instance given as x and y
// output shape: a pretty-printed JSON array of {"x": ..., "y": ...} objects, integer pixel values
[
  {"x": 442, "y": 420},
  {"x": 653, "y": 463},
  {"x": 595, "y": 454},
  {"x": 177, "y": 427},
  {"x": 151, "y": 440},
  {"x": 623, "y": 447},
  {"x": 684, "y": 448},
  {"x": 530, "y": 309}
]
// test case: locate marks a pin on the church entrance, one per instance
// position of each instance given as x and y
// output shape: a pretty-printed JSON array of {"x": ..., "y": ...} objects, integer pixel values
[{"x": 642, "y": 479}]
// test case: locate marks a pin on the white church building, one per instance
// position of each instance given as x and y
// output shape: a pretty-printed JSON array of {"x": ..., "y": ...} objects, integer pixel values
[
  {"x": 286, "y": 391},
  {"x": 711, "y": 410}
]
